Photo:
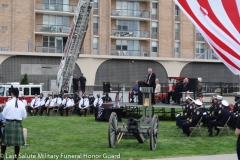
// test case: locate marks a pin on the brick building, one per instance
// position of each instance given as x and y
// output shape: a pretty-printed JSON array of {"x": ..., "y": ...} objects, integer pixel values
[{"x": 124, "y": 38}]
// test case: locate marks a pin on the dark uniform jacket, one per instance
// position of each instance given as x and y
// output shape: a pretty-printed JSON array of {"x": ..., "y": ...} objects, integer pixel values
[
  {"x": 185, "y": 87},
  {"x": 197, "y": 114},
  {"x": 236, "y": 107},
  {"x": 223, "y": 116},
  {"x": 189, "y": 110},
  {"x": 178, "y": 87}
]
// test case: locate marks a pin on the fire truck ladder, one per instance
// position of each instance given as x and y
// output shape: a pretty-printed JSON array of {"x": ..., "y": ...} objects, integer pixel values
[{"x": 73, "y": 45}]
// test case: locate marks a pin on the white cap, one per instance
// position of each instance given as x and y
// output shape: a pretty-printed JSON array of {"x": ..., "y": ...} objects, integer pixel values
[
  {"x": 225, "y": 103},
  {"x": 198, "y": 102},
  {"x": 199, "y": 79},
  {"x": 189, "y": 98},
  {"x": 219, "y": 97}
]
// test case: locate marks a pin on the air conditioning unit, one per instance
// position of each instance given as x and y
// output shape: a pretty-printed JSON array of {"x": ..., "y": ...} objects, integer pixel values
[{"x": 145, "y": 54}]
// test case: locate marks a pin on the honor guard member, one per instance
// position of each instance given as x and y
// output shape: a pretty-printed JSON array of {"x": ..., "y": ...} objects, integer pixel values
[
  {"x": 48, "y": 105},
  {"x": 222, "y": 118},
  {"x": 66, "y": 105},
  {"x": 41, "y": 103},
  {"x": 34, "y": 105},
  {"x": 14, "y": 112},
  {"x": 98, "y": 107},
  {"x": 63, "y": 104},
  {"x": 24, "y": 101},
  {"x": 83, "y": 105},
  {"x": 91, "y": 99},
  {"x": 76, "y": 99},
  {"x": 186, "y": 113},
  {"x": 59, "y": 99},
  {"x": 192, "y": 122},
  {"x": 107, "y": 99},
  {"x": 237, "y": 131},
  {"x": 236, "y": 111}
]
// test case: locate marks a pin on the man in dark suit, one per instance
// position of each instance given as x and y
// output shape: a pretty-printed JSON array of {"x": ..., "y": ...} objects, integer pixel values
[
  {"x": 75, "y": 83},
  {"x": 174, "y": 93},
  {"x": 185, "y": 88},
  {"x": 151, "y": 82}
]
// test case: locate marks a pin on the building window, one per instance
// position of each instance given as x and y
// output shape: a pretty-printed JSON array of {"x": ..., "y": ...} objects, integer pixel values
[
  {"x": 154, "y": 30},
  {"x": 4, "y": 27},
  {"x": 128, "y": 47},
  {"x": 177, "y": 28},
  {"x": 53, "y": 44},
  {"x": 95, "y": 4},
  {"x": 176, "y": 10},
  {"x": 56, "y": 23},
  {"x": 95, "y": 43},
  {"x": 57, "y": 5},
  {"x": 95, "y": 25},
  {"x": 95, "y": 7},
  {"x": 4, "y": 49},
  {"x": 125, "y": 8},
  {"x": 154, "y": 8},
  {"x": 176, "y": 49},
  {"x": 4, "y": 5},
  {"x": 200, "y": 48},
  {"x": 154, "y": 46},
  {"x": 127, "y": 25}
]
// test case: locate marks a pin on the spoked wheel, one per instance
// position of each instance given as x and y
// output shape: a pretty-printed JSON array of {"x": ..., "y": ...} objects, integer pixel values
[
  {"x": 112, "y": 130},
  {"x": 154, "y": 132}
]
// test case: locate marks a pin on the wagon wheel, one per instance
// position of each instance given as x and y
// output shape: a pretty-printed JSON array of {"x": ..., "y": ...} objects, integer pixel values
[
  {"x": 112, "y": 130},
  {"x": 154, "y": 132}
]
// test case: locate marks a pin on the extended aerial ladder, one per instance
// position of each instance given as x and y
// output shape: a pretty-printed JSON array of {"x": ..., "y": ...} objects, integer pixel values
[{"x": 73, "y": 45}]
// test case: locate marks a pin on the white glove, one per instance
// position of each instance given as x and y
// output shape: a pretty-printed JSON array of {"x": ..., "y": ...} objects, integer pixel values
[
  {"x": 205, "y": 113},
  {"x": 236, "y": 115},
  {"x": 177, "y": 115}
]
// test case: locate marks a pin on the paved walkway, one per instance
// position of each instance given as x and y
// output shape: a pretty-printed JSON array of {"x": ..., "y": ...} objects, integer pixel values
[{"x": 212, "y": 157}]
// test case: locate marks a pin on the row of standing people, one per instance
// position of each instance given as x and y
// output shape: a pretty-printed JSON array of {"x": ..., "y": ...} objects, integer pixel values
[{"x": 79, "y": 81}]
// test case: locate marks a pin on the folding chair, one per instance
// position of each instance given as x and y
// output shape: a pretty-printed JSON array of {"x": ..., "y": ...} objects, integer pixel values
[
  {"x": 55, "y": 109},
  {"x": 224, "y": 127},
  {"x": 196, "y": 127}
]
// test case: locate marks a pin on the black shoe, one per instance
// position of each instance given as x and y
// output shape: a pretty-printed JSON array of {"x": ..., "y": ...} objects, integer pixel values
[
  {"x": 210, "y": 135},
  {"x": 132, "y": 102}
]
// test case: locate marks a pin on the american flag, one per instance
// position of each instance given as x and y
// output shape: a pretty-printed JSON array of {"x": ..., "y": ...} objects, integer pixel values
[{"x": 219, "y": 23}]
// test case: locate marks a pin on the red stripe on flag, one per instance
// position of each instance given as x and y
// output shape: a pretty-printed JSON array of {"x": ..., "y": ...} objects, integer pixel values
[
  {"x": 226, "y": 59},
  {"x": 232, "y": 12},
  {"x": 205, "y": 4},
  {"x": 212, "y": 36}
]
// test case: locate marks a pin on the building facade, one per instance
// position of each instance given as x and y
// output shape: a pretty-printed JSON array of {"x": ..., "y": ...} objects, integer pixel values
[{"x": 122, "y": 34}]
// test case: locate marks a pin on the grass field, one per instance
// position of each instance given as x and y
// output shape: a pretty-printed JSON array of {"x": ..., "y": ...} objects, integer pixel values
[{"x": 74, "y": 135}]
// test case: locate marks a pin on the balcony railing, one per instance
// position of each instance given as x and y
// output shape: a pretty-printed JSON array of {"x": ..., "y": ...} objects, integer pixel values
[
  {"x": 136, "y": 33},
  {"x": 56, "y": 7},
  {"x": 129, "y": 53},
  {"x": 199, "y": 37},
  {"x": 131, "y": 13},
  {"x": 206, "y": 54},
  {"x": 49, "y": 49},
  {"x": 95, "y": 31},
  {"x": 154, "y": 17},
  {"x": 52, "y": 28},
  {"x": 95, "y": 11},
  {"x": 155, "y": 35}
]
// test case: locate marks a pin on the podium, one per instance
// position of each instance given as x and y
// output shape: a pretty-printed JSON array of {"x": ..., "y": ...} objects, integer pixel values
[{"x": 140, "y": 96}]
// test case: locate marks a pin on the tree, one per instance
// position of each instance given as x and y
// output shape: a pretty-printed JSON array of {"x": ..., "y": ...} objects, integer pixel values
[{"x": 25, "y": 79}]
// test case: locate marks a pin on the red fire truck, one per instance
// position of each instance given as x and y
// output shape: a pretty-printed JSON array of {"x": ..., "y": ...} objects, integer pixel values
[{"x": 27, "y": 90}]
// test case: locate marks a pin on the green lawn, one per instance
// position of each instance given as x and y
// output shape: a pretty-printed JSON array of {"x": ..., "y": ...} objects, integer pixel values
[{"x": 74, "y": 135}]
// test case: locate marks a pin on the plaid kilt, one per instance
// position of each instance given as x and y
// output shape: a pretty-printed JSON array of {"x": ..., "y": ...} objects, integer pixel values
[{"x": 13, "y": 134}]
